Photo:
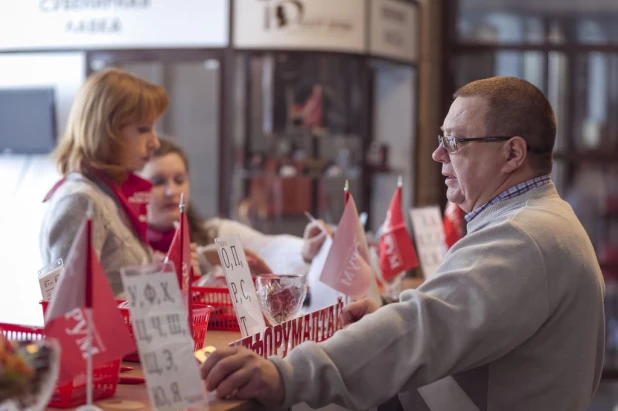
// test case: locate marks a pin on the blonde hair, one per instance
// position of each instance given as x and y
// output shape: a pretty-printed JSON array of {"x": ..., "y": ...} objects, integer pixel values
[{"x": 106, "y": 102}]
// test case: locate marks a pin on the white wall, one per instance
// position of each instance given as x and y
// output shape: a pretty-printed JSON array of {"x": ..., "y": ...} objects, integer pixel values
[{"x": 26, "y": 179}]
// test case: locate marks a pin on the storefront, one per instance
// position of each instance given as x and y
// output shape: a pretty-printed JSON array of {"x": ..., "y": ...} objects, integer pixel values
[{"x": 277, "y": 102}]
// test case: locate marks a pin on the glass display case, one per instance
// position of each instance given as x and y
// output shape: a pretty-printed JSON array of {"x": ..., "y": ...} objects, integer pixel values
[
  {"x": 305, "y": 132},
  {"x": 304, "y": 123}
]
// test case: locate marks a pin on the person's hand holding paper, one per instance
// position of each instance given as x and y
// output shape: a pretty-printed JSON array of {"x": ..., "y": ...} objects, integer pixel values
[{"x": 313, "y": 238}]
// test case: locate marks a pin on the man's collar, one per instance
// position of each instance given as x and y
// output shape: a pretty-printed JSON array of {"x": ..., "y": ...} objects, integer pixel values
[{"x": 511, "y": 192}]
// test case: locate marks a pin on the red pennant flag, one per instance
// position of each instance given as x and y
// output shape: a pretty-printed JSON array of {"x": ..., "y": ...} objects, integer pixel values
[
  {"x": 396, "y": 251},
  {"x": 84, "y": 285},
  {"x": 347, "y": 268},
  {"x": 180, "y": 254},
  {"x": 453, "y": 223}
]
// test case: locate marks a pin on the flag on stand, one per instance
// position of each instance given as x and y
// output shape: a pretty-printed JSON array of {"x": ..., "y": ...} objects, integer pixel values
[
  {"x": 180, "y": 254},
  {"x": 453, "y": 223},
  {"x": 82, "y": 287},
  {"x": 347, "y": 268},
  {"x": 396, "y": 251}
]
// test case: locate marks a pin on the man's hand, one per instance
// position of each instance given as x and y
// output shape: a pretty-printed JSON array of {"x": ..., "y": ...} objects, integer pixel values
[
  {"x": 313, "y": 238},
  {"x": 239, "y": 373},
  {"x": 355, "y": 311}
]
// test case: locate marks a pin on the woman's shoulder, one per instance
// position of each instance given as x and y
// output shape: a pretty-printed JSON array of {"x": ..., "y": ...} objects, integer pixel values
[
  {"x": 74, "y": 185},
  {"x": 76, "y": 193},
  {"x": 213, "y": 222}
]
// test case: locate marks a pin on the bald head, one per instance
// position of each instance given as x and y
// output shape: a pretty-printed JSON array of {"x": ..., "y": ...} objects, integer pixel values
[{"x": 515, "y": 107}]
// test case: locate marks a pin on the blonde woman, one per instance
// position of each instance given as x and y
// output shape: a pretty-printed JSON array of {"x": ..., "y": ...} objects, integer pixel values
[{"x": 110, "y": 135}]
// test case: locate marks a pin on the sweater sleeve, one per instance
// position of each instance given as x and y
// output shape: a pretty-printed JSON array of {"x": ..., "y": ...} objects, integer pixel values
[
  {"x": 62, "y": 224},
  {"x": 488, "y": 296}
]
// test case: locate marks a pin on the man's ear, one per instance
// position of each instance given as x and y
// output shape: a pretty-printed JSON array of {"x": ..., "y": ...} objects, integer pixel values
[{"x": 516, "y": 150}]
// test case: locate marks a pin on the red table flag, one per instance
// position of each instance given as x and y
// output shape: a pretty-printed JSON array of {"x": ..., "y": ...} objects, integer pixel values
[
  {"x": 347, "y": 268},
  {"x": 180, "y": 254},
  {"x": 453, "y": 223},
  {"x": 66, "y": 318},
  {"x": 396, "y": 251}
]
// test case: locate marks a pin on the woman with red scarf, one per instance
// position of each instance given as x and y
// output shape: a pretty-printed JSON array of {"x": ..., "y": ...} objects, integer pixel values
[{"x": 110, "y": 135}]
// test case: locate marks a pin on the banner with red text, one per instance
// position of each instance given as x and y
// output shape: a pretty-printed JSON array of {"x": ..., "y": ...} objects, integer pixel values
[{"x": 279, "y": 340}]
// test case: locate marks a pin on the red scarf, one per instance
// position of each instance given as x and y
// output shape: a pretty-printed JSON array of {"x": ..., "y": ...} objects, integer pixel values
[
  {"x": 133, "y": 195},
  {"x": 160, "y": 241}
]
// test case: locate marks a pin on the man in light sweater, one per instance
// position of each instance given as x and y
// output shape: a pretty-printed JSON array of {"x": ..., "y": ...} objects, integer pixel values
[{"x": 513, "y": 318}]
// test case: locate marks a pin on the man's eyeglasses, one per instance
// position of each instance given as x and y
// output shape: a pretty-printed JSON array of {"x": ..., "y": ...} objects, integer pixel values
[{"x": 451, "y": 144}]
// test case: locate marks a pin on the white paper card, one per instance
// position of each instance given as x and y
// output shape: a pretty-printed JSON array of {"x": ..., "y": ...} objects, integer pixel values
[
  {"x": 429, "y": 237},
  {"x": 240, "y": 284},
  {"x": 321, "y": 294},
  {"x": 48, "y": 278},
  {"x": 163, "y": 337}
]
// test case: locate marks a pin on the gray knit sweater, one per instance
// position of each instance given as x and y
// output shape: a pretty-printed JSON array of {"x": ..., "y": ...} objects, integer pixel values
[
  {"x": 113, "y": 237},
  {"x": 512, "y": 320}
]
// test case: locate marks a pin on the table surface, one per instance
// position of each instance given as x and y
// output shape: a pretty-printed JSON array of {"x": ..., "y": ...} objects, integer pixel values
[{"x": 135, "y": 397}]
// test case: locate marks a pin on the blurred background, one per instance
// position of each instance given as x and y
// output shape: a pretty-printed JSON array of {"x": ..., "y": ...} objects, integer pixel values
[{"x": 278, "y": 106}]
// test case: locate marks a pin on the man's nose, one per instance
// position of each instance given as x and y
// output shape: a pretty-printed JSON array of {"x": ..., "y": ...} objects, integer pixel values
[{"x": 440, "y": 155}]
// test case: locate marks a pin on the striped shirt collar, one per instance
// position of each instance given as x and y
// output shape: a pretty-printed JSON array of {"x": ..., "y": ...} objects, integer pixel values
[{"x": 514, "y": 191}]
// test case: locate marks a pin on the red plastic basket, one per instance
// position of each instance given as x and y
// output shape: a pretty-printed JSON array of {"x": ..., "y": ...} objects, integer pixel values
[
  {"x": 73, "y": 393},
  {"x": 201, "y": 315},
  {"x": 223, "y": 316}
]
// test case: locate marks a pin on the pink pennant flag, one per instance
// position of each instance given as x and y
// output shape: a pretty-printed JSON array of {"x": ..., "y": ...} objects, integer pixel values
[{"x": 347, "y": 267}]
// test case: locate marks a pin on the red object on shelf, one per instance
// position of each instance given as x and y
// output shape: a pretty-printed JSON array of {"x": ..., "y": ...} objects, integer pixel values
[
  {"x": 72, "y": 393},
  {"x": 201, "y": 316}
]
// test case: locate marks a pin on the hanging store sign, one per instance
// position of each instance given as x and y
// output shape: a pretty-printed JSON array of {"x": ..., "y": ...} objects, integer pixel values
[
  {"x": 394, "y": 30},
  {"x": 113, "y": 24},
  {"x": 324, "y": 25}
]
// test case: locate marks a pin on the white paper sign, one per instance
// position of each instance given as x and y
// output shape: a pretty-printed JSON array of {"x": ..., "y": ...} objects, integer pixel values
[
  {"x": 331, "y": 25},
  {"x": 429, "y": 237},
  {"x": 321, "y": 295},
  {"x": 394, "y": 30},
  {"x": 240, "y": 284},
  {"x": 163, "y": 337},
  {"x": 90, "y": 24},
  {"x": 48, "y": 278}
]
